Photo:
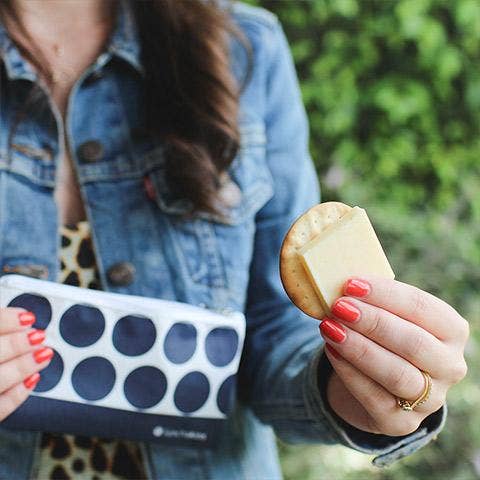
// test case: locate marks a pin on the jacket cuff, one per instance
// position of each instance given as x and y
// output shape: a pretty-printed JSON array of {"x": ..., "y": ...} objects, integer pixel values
[{"x": 386, "y": 448}]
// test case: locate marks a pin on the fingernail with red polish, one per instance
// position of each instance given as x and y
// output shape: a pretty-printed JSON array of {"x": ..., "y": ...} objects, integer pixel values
[
  {"x": 31, "y": 381},
  {"x": 333, "y": 352},
  {"x": 357, "y": 288},
  {"x": 43, "y": 355},
  {"x": 36, "y": 337},
  {"x": 345, "y": 311},
  {"x": 333, "y": 330},
  {"x": 26, "y": 319}
]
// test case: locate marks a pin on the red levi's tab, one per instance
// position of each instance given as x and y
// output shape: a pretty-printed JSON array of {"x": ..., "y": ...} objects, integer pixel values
[{"x": 149, "y": 188}]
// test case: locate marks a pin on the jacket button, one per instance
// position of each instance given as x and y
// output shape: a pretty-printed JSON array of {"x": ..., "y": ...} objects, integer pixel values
[
  {"x": 90, "y": 151},
  {"x": 121, "y": 274}
]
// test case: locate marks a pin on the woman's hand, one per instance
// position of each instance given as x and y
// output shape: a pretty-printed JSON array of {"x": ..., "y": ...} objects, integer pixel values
[
  {"x": 383, "y": 334},
  {"x": 21, "y": 358}
]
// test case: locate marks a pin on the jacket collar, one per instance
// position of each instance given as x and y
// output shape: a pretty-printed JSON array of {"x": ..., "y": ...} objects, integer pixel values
[
  {"x": 15, "y": 65},
  {"x": 124, "y": 43}
]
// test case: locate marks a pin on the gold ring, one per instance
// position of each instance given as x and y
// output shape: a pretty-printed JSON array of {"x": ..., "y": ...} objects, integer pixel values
[{"x": 409, "y": 406}]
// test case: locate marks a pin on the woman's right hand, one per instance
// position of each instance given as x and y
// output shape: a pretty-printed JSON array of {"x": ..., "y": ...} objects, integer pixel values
[{"x": 22, "y": 356}]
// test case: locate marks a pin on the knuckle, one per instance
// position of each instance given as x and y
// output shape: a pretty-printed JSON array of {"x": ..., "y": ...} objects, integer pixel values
[
  {"x": 372, "y": 425},
  {"x": 410, "y": 425},
  {"x": 458, "y": 371},
  {"x": 376, "y": 326},
  {"x": 389, "y": 292},
  {"x": 406, "y": 426},
  {"x": 399, "y": 380},
  {"x": 382, "y": 424},
  {"x": 436, "y": 403},
  {"x": 415, "y": 346},
  {"x": 15, "y": 344},
  {"x": 361, "y": 354},
  {"x": 460, "y": 326},
  {"x": 374, "y": 402},
  {"x": 419, "y": 303},
  {"x": 21, "y": 368}
]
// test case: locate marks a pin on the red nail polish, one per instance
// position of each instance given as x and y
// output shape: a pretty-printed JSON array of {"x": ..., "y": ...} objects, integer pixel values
[
  {"x": 345, "y": 311},
  {"x": 31, "y": 381},
  {"x": 26, "y": 319},
  {"x": 36, "y": 337},
  {"x": 333, "y": 330},
  {"x": 333, "y": 352},
  {"x": 357, "y": 288},
  {"x": 43, "y": 354}
]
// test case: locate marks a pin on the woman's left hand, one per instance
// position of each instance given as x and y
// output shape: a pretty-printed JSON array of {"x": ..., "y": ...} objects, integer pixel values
[{"x": 383, "y": 335}]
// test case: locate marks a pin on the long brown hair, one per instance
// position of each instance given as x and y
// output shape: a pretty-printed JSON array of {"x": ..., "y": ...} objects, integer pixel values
[{"x": 190, "y": 94}]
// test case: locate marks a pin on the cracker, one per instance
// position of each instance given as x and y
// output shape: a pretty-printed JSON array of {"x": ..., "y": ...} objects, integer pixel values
[{"x": 295, "y": 279}]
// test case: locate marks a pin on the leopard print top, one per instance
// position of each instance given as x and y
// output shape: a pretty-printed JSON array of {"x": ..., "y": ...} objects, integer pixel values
[{"x": 64, "y": 457}]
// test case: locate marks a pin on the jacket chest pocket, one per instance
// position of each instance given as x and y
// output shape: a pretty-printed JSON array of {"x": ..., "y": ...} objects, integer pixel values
[{"x": 215, "y": 251}]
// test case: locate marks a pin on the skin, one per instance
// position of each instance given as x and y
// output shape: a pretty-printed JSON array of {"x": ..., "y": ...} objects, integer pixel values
[
  {"x": 401, "y": 330},
  {"x": 16, "y": 360},
  {"x": 70, "y": 34}
]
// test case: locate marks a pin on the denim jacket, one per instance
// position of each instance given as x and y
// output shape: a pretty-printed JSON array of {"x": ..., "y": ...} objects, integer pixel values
[{"x": 144, "y": 248}]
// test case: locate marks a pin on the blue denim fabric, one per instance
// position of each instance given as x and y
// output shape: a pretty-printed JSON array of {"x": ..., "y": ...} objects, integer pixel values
[{"x": 221, "y": 263}]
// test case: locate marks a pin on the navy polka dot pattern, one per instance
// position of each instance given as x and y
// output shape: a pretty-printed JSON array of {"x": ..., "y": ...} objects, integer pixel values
[
  {"x": 226, "y": 395},
  {"x": 93, "y": 378},
  {"x": 180, "y": 342},
  {"x": 142, "y": 356},
  {"x": 82, "y": 325},
  {"x": 51, "y": 375},
  {"x": 192, "y": 392},
  {"x": 145, "y": 387},
  {"x": 37, "y": 304},
  {"x": 134, "y": 335},
  {"x": 221, "y": 346}
]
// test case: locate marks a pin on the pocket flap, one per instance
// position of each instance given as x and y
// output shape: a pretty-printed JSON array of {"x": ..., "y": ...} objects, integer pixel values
[{"x": 247, "y": 186}]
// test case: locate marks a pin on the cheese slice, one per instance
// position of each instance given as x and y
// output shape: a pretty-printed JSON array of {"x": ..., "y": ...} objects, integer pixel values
[{"x": 348, "y": 248}]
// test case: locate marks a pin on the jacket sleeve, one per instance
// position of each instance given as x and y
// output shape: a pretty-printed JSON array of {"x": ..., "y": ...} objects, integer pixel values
[{"x": 284, "y": 371}]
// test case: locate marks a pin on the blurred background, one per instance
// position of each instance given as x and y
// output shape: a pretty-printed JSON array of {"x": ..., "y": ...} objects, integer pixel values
[{"x": 392, "y": 89}]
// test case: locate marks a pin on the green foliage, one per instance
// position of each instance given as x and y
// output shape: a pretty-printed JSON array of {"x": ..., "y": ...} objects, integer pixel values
[{"x": 392, "y": 89}]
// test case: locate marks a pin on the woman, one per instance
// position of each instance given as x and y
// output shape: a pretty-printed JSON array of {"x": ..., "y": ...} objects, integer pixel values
[{"x": 173, "y": 131}]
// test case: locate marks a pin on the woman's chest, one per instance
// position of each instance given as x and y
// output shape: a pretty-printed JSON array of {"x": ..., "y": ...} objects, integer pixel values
[{"x": 143, "y": 242}]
